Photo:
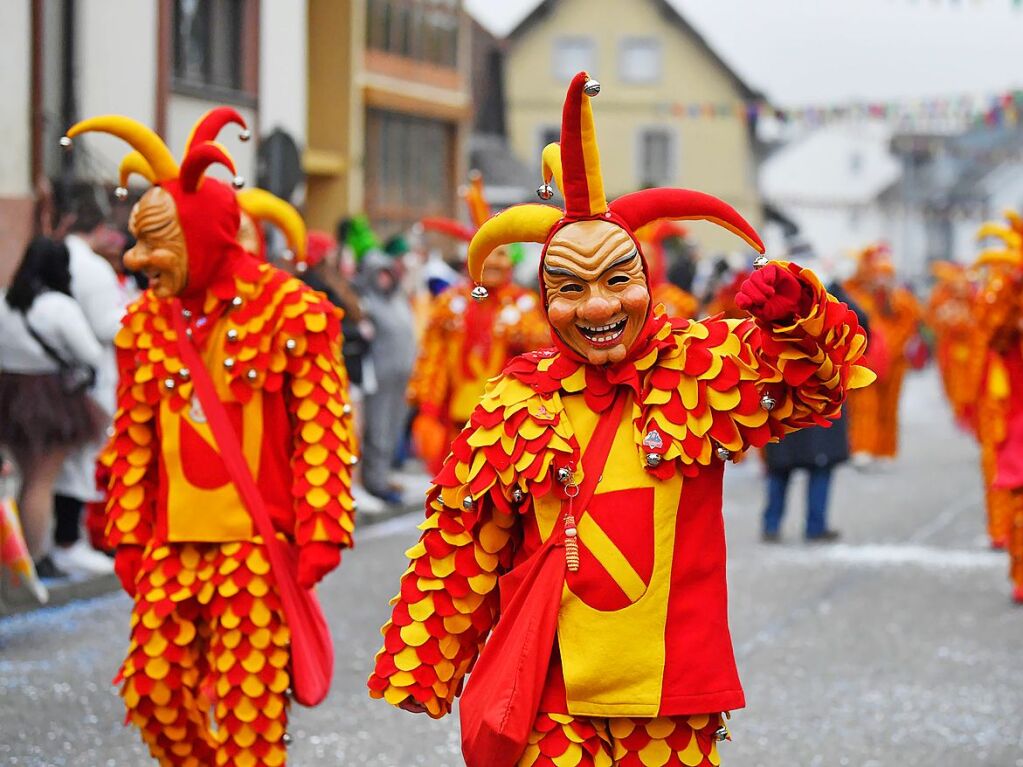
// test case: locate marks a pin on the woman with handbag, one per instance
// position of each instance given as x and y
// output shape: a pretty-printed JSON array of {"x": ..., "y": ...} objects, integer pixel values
[{"x": 48, "y": 356}]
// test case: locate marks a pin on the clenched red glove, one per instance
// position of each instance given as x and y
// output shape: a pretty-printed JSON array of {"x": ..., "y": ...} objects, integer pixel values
[
  {"x": 315, "y": 560},
  {"x": 772, "y": 293},
  {"x": 127, "y": 564}
]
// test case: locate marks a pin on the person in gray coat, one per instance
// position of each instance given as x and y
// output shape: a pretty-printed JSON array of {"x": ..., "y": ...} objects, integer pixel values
[
  {"x": 818, "y": 450},
  {"x": 392, "y": 354}
]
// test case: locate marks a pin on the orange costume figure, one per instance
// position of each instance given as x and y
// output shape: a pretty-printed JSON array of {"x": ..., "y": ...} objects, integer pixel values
[
  {"x": 895, "y": 316},
  {"x": 676, "y": 301},
  {"x": 999, "y": 350},
  {"x": 209, "y": 636},
  {"x": 466, "y": 343},
  {"x": 582, "y": 502},
  {"x": 950, "y": 316}
]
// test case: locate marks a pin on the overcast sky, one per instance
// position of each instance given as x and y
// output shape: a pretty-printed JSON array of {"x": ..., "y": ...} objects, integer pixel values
[{"x": 824, "y": 51}]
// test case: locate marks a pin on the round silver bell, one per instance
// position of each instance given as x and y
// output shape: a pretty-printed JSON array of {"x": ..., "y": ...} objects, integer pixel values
[
  {"x": 232, "y": 335},
  {"x": 545, "y": 191},
  {"x": 723, "y": 453},
  {"x": 301, "y": 267},
  {"x": 347, "y": 409},
  {"x": 468, "y": 503},
  {"x": 767, "y": 402},
  {"x": 288, "y": 254},
  {"x": 286, "y": 739},
  {"x": 353, "y": 460},
  {"x": 229, "y": 363},
  {"x": 721, "y": 733},
  {"x": 236, "y": 301},
  {"x": 653, "y": 460},
  {"x": 761, "y": 261},
  {"x": 480, "y": 293},
  {"x": 518, "y": 495},
  {"x": 591, "y": 87},
  {"x": 251, "y": 374},
  {"x": 65, "y": 141},
  {"x": 564, "y": 475},
  {"x": 185, "y": 374},
  {"x": 238, "y": 182},
  {"x": 121, "y": 193},
  {"x": 169, "y": 384},
  {"x": 291, "y": 344},
  {"x": 244, "y": 134}
]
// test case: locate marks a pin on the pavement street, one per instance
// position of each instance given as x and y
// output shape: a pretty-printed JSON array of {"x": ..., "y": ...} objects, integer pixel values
[{"x": 898, "y": 646}]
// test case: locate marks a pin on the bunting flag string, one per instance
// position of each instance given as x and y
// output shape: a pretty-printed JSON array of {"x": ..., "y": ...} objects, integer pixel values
[{"x": 950, "y": 112}]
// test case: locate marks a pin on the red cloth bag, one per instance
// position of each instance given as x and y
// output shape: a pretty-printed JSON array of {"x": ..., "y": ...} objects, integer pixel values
[
  {"x": 502, "y": 695},
  {"x": 312, "y": 650}
]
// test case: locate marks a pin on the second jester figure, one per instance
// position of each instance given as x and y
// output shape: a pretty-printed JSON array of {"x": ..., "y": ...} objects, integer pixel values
[{"x": 602, "y": 458}]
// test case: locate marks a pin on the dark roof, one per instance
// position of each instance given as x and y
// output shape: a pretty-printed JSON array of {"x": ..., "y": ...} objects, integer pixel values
[{"x": 670, "y": 14}]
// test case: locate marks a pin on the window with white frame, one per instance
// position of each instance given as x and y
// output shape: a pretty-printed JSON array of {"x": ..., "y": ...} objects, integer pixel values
[
  {"x": 573, "y": 55},
  {"x": 656, "y": 152},
  {"x": 639, "y": 60}
]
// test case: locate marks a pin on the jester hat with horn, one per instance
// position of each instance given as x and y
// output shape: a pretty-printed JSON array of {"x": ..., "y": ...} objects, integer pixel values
[
  {"x": 1011, "y": 237},
  {"x": 182, "y": 205},
  {"x": 589, "y": 225}
]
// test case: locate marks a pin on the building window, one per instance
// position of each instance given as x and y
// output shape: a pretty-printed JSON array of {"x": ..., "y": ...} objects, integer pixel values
[
  {"x": 425, "y": 30},
  {"x": 573, "y": 55},
  {"x": 656, "y": 157},
  {"x": 640, "y": 60},
  {"x": 209, "y": 44},
  {"x": 409, "y": 168}
]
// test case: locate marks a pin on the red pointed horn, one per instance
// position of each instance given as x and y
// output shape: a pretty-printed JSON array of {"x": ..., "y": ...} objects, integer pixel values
[
  {"x": 210, "y": 124},
  {"x": 640, "y": 208},
  {"x": 199, "y": 159},
  {"x": 448, "y": 226}
]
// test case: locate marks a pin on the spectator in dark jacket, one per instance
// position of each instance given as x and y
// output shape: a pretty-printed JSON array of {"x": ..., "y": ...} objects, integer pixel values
[{"x": 818, "y": 450}]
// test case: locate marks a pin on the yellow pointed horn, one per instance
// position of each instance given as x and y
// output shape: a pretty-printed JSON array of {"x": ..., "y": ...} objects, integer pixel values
[
  {"x": 263, "y": 206},
  {"x": 141, "y": 138},
  {"x": 134, "y": 162},
  {"x": 519, "y": 223},
  {"x": 551, "y": 162},
  {"x": 1003, "y": 233},
  {"x": 996, "y": 256},
  {"x": 1015, "y": 221},
  {"x": 479, "y": 208}
]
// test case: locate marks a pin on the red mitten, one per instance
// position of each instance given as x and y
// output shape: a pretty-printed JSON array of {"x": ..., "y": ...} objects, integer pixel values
[
  {"x": 315, "y": 560},
  {"x": 771, "y": 294},
  {"x": 127, "y": 564}
]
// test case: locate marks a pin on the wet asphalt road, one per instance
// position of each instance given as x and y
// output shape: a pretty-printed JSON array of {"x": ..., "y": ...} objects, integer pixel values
[{"x": 896, "y": 647}]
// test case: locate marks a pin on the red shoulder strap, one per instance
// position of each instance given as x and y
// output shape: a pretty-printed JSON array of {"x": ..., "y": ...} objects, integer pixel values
[
  {"x": 596, "y": 453},
  {"x": 230, "y": 450}
]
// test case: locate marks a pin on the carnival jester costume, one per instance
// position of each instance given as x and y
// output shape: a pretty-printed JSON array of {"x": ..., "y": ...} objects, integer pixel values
[
  {"x": 208, "y": 631},
  {"x": 997, "y": 367},
  {"x": 895, "y": 315},
  {"x": 466, "y": 343},
  {"x": 641, "y": 666}
]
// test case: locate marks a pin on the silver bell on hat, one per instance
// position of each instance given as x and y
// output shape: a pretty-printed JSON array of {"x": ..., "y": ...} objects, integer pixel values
[
  {"x": 121, "y": 193},
  {"x": 480, "y": 293},
  {"x": 591, "y": 88},
  {"x": 545, "y": 191},
  {"x": 238, "y": 182},
  {"x": 761, "y": 261}
]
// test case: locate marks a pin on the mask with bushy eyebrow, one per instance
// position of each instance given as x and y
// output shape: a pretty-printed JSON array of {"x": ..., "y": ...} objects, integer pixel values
[
  {"x": 597, "y": 292},
  {"x": 159, "y": 252}
]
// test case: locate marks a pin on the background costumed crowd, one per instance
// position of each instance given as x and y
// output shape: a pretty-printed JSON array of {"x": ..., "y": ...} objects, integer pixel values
[{"x": 244, "y": 390}]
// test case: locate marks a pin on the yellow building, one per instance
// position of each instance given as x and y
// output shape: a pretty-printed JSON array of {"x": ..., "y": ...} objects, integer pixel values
[
  {"x": 389, "y": 110},
  {"x": 650, "y": 61}
]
